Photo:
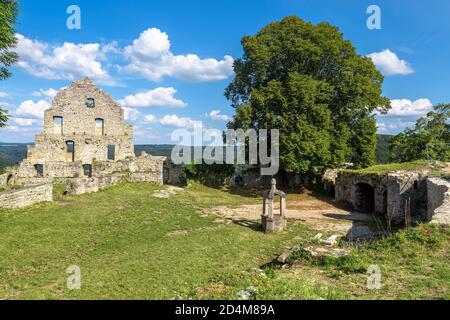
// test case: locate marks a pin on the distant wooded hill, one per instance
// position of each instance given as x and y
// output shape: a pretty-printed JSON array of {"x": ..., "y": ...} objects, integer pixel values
[{"x": 12, "y": 154}]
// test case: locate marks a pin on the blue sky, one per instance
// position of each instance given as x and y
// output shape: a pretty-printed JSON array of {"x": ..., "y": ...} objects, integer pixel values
[{"x": 168, "y": 62}]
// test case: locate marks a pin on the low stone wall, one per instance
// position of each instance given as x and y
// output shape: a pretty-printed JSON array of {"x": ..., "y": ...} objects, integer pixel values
[
  {"x": 438, "y": 200},
  {"x": 23, "y": 197},
  {"x": 153, "y": 177},
  {"x": 94, "y": 184}
]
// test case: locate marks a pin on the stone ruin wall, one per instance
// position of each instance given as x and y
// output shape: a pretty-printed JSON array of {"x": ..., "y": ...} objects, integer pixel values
[
  {"x": 403, "y": 187},
  {"x": 23, "y": 197},
  {"x": 346, "y": 188},
  {"x": 438, "y": 200},
  {"x": 391, "y": 193},
  {"x": 78, "y": 124}
]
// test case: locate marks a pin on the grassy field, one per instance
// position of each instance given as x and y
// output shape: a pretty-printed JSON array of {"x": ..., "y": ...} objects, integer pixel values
[{"x": 129, "y": 244}]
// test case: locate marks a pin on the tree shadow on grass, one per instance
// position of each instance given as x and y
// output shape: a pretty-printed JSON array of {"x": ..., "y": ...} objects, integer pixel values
[{"x": 253, "y": 225}]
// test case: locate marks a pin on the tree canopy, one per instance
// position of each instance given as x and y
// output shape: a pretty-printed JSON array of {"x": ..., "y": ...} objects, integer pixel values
[
  {"x": 430, "y": 137},
  {"x": 312, "y": 85},
  {"x": 8, "y": 15}
]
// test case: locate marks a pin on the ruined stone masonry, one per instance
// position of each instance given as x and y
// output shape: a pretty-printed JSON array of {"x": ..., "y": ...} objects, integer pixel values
[
  {"x": 86, "y": 144},
  {"x": 26, "y": 196},
  {"x": 402, "y": 197}
]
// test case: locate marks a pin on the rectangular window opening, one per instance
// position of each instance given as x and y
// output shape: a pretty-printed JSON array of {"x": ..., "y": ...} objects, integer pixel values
[
  {"x": 58, "y": 125},
  {"x": 111, "y": 152},
  {"x": 99, "y": 127}
]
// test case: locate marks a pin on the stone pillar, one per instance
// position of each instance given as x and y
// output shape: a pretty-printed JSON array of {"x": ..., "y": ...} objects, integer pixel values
[{"x": 271, "y": 222}]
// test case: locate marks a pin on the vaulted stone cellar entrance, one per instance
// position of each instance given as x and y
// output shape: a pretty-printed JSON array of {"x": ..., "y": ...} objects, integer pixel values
[{"x": 364, "y": 198}]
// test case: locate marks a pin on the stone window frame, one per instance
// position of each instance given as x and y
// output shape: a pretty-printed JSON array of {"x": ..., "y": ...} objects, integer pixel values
[
  {"x": 39, "y": 169},
  {"x": 90, "y": 103},
  {"x": 61, "y": 124},
  {"x": 87, "y": 168},
  {"x": 111, "y": 150},
  {"x": 71, "y": 142},
  {"x": 103, "y": 125}
]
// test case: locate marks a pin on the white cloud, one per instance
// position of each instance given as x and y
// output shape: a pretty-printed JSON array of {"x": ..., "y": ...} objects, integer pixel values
[
  {"x": 5, "y": 104},
  {"x": 131, "y": 114},
  {"x": 405, "y": 107},
  {"x": 23, "y": 131},
  {"x": 149, "y": 118},
  {"x": 145, "y": 134},
  {"x": 24, "y": 122},
  {"x": 150, "y": 56},
  {"x": 49, "y": 93},
  {"x": 4, "y": 95},
  {"x": 68, "y": 61},
  {"x": 394, "y": 126},
  {"x": 159, "y": 97},
  {"x": 215, "y": 115},
  {"x": 389, "y": 64},
  {"x": 29, "y": 108},
  {"x": 180, "y": 122}
]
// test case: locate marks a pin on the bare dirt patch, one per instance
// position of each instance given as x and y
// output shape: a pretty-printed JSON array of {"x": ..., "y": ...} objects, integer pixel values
[
  {"x": 318, "y": 214},
  {"x": 167, "y": 192}
]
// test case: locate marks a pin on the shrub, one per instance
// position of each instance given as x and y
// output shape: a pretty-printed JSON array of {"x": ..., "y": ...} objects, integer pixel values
[{"x": 214, "y": 175}]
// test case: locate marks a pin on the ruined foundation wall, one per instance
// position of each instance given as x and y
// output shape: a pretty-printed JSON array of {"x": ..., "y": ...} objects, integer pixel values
[
  {"x": 88, "y": 185},
  {"x": 403, "y": 187},
  {"x": 346, "y": 189},
  {"x": 438, "y": 201},
  {"x": 26, "y": 196}
]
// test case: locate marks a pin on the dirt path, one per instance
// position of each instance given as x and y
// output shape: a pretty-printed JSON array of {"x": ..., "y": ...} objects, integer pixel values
[{"x": 317, "y": 214}]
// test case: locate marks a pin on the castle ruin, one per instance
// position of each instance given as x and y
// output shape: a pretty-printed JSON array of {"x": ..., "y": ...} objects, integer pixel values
[{"x": 86, "y": 144}]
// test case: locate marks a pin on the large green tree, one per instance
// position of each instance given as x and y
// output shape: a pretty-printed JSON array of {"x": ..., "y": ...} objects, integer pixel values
[
  {"x": 310, "y": 83},
  {"x": 8, "y": 15},
  {"x": 430, "y": 137}
]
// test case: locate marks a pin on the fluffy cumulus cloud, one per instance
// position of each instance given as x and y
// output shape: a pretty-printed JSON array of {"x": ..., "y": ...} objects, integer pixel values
[
  {"x": 180, "y": 122},
  {"x": 390, "y": 64},
  {"x": 159, "y": 97},
  {"x": 68, "y": 61},
  {"x": 49, "y": 93},
  {"x": 131, "y": 114},
  {"x": 24, "y": 122},
  {"x": 150, "y": 56},
  {"x": 217, "y": 116},
  {"x": 405, "y": 107},
  {"x": 31, "y": 109},
  {"x": 149, "y": 118}
]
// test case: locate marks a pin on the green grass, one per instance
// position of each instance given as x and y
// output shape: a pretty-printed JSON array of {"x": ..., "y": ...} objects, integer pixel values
[
  {"x": 129, "y": 244},
  {"x": 390, "y": 167},
  {"x": 413, "y": 264}
]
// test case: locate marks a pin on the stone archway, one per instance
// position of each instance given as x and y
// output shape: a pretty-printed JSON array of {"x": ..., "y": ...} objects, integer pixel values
[
  {"x": 9, "y": 180},
  {"x": 364, "y": 198}
]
